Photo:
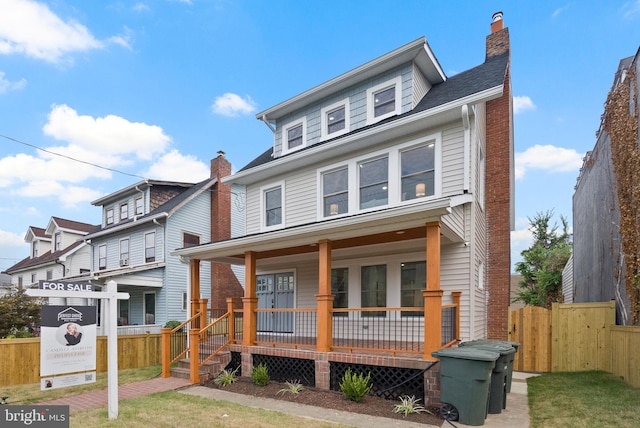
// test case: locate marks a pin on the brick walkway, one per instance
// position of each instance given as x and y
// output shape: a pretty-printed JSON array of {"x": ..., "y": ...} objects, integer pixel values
[{"x": 93, "y": 399}]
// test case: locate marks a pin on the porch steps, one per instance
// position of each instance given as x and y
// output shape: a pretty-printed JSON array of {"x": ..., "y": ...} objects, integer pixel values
[{"x": 208, "y": 371}]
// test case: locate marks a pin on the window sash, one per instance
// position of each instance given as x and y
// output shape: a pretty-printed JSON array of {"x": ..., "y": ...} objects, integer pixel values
[
  {"x": 124, "y": 249},
  {"x": 124, "y": 211},
  {"x": 273, "y": 207},
  {"x": 110, "y": 216},
  {"x": 294, "y": 137},
  {"x": 102, "y": 257},
  {"x": 139, "y": 206},
  {"x": 374, "y": 183},
  {"x": 150, "y": 247},
  {"x": 336, "y": 120},
  {"x": 384, "y": 101},
  {"x": 413, "y": 280},
  {"x": 417, "y": 172},
  {"x": 340, "y": 289},
  {"x": 58, "y": 241},
  {"x": 335, "y": 187}
]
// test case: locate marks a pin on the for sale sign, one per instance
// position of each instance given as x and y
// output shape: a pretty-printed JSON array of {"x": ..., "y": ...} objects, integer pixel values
[{"x": 68, "y": 344}]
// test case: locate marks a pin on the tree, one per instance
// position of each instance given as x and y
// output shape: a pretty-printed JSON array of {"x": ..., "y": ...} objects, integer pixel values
[
  {"x": 19, "y": 314},
  {"x": 543, "y": 262}
]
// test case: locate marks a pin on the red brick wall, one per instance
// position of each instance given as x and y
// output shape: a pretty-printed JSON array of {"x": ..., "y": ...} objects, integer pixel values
[
  {"x": 223, "y": 281},
  {"x": 498, "y": 197}
]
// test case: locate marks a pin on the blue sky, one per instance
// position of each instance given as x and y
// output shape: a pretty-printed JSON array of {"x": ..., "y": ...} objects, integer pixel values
[{"x": 155, "y": 88}]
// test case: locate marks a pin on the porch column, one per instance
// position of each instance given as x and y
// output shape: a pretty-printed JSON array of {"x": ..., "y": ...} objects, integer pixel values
[
  {"x": 194, "y": 277},
  {"x": 249, "y": 301},
  {"x": 433, "y": 293},
  {"x": 324, "y": 299}
]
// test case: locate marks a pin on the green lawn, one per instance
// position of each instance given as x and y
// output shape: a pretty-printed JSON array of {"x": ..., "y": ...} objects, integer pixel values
[{"x": 582, "y": 399}]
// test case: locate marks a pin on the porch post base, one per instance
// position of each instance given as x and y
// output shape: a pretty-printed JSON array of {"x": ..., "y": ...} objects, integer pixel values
[{"x": 249, "y": 321}]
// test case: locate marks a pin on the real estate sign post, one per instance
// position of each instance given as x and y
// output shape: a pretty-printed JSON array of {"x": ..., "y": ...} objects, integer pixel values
[{"x": 69, "y": 335}]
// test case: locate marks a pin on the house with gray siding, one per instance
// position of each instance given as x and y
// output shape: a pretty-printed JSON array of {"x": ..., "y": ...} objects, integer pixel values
[
  {"x": 605, "y": 210},
  {"x": 378, "y": 220},
  {"x": 141, "y": 225}
]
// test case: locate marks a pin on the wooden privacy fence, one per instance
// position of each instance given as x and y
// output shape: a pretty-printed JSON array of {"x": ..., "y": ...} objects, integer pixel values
[
  {"x": 21, "y": 357},
  {"x": 575, "y": 337}
]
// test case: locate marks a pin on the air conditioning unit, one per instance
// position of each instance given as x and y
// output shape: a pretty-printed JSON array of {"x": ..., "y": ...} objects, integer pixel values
[{"x": 124, "y": 262}]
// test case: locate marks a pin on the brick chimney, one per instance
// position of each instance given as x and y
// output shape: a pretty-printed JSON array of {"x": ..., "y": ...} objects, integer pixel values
[
  {"x": 223, "y": 281},
  {"x": 499, "y": 190}
]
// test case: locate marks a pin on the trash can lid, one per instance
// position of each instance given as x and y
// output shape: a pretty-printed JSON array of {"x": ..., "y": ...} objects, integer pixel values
[
  {"x": 468, "y": 353},
  {"x": 492, "y": 345}
]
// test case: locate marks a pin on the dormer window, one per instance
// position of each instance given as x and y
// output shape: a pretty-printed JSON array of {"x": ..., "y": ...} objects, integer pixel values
[
  {"x": 383, "y": 100},
  {"x": 34, "y": 249},
  {"x": 335, "y": 119},
  {"x": 139, "y": 206},
  {"x": 58, "y": 241},
  {"x": 109, "y": 216},
  {"x": 294, "y": 136}
]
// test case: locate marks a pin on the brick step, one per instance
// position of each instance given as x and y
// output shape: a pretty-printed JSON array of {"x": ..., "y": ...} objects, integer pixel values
[{"x": 208, "y": 371}]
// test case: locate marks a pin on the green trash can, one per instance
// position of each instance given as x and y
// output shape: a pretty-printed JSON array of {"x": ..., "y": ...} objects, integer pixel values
[
  {"x": 510, "y": 360},
  {"x": 498, "y": 391},
  {"x": 465, "y": 379}
]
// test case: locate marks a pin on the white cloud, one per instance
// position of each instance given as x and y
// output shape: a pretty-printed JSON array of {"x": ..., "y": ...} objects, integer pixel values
[
  {"x": 522, "y": 103},
  {"x": 558, "y": 11},
  {"x": 7, "y": 85},
  {"x": 174, "y": 166},
  {"x": 73, "y": 196},
  {"x": 141, "y": 7},
  {"x": 30, "y": 28},
  {"x": 232, "y": 105},
  {"x": 549, "y": 158},
  {"x": 11, "y": 239},
  {"x": 109, "y": 135},
  {"x": 631, "y": 9}
]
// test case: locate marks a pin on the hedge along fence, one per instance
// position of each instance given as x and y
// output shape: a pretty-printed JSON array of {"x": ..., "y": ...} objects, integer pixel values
[{"x": 21, "y": 357}]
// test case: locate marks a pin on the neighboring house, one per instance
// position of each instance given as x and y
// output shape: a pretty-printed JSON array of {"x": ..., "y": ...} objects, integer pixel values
[
  {"x": 141, "y": 225},
  {"x": 605, "y": 243},
  {"x": 56, "y": 252},
  {"x": 5, "y": 284},
  {"x": 514, "y": 290},
  {"x": 380, "y": 217}
]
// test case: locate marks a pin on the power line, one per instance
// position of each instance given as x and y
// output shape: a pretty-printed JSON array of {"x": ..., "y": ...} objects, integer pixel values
[{"x": 72, "y": 159}]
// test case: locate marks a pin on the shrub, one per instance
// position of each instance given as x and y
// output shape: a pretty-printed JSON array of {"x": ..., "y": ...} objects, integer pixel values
[
  {"x": 226, "y": 377},
  {"x": 355, "y": 386},
  {"x": 293, "y": 387},
  {"x": 260, "y": 375},
  {"x": 172, "y": 324},
  {"x": 409, "y": 405}
]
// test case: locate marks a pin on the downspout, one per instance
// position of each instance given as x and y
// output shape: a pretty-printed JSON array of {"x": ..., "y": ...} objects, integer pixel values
[
  {"x": 467, "y": 148},
  {"x": 64, "y": 268},
  {"x": 266, "y": 122},
  {"x": 135, "y": 214}
]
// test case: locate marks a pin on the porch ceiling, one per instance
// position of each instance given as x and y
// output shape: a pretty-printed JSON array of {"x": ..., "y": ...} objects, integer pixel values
[{"x": 385, "y": 226}]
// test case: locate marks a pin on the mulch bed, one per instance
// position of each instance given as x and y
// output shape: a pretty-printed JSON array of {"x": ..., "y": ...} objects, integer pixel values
[{"x": 370, "y": 405}]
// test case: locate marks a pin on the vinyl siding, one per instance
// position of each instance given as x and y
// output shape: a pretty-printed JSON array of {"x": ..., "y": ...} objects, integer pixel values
[
  {"x": 238, "y": 222},
  {"x": 420, "y": 85},
  {"x": 453, "y": 160}
]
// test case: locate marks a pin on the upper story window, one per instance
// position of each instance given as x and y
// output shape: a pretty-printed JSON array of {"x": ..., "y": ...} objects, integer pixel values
[
  {"x": 190, "y": 239},
  {"x": 33, "y": 278},
  {"x": 124, "y": 252},
  {"x": 124, "y": 212},
  {"x": 384, "y": 100},
  {"x": 57, "y": 238},
  {"x": 34, "y": 249},
  {"x": 20, "y": 283},
  {"x": 335, "y": 119},
  {"x": 374, "y": 183},
  {"x": 50, "y": 274},
  {"x": 139, "y": 206},
  {"x": 109, "y": 215},
  {"x": 417, "y": 172},
  {"x": 150, "y": 247},
  {"x": 335, "y": 190},
  {"x": 394, "y": 176},
  {"x": 272, "y": 206},
  {"x": 294, "y": 136},
  {"x": 102, "y": 257}
]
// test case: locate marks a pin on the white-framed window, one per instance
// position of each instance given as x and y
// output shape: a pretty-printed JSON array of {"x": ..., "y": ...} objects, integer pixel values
[
  {"x": 340, "y": 290},
  {"x": 384, "y": 100},
  {"x": 124, "y": 211},
  {"x": 335, "y": 192},
  {"x": 413, "y": 280},
  {"x": 109, "y": 215},
  {"x": 150, "y": 247},
  {"x": 149, "y": 308},
  {"x": 123, "y": 312},
  {"x": 272, "y": 212},
  {"x": 335, "y": 119},
  {"x": 373, "y": 182},
  {"x": 124, "y": 252},
  {"x": 57, "y": 238},
  {"x": 481, "y": 276},
  {"x": 50, "y": 274},
  {"x": 190, "y": 239},
  {"x": 399, "y": 175},
  {"x": 373, "y": 289},
  {"x": 34, "y": 278},
  {"x": 139, "y": 205},
  {"x": 294, "y": 136},
  {"x": 185, "y": 301},
  {"x": 102, "y": 257},
  {"x": 417, "y": 172},
  {"x": 34, "y": 249},
  {"x": 20, "y": 282}
]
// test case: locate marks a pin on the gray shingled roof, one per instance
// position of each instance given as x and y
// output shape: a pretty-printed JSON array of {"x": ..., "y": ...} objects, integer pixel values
[{"x": 487, "y": 75}]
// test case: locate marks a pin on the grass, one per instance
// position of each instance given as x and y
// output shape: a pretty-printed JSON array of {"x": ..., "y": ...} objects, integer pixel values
[
  {"x": 31, "y": 393},
  {"x": 582, "y": 399}
]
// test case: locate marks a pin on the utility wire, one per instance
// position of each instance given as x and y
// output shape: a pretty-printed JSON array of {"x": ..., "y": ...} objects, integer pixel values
[{"x": 73, "y": 159}]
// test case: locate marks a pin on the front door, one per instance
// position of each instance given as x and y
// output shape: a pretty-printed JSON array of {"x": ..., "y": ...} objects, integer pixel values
[{"x": 275, "y": 291}]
